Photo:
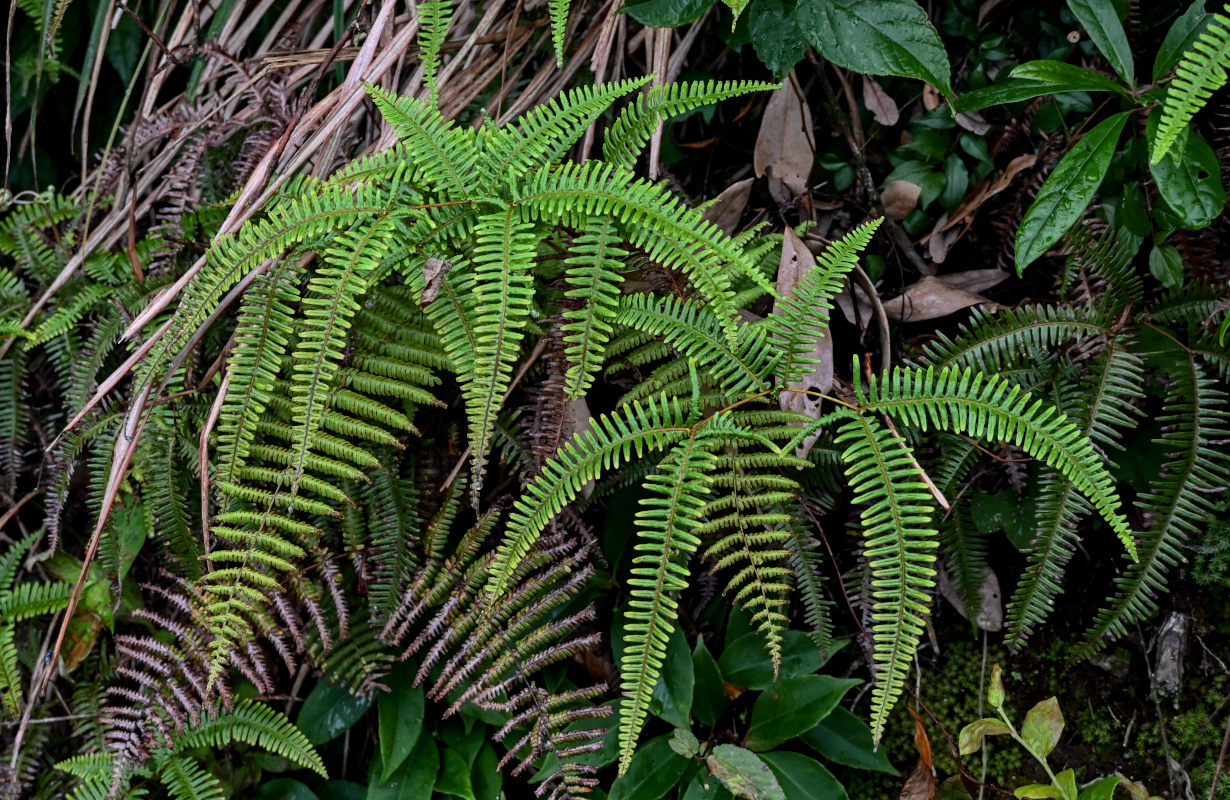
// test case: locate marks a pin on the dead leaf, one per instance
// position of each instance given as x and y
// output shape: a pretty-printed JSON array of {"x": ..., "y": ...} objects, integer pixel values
[
  {"x": 941, "y": 240},
  {"x": 976, "y": 280},
  {"x": 785, "y": 148},
  {"x": 433, "y": 276},
  {"x": 964, "y": 213},
  {"x": 899, "y": 199},
  {"x": 882, "y": 107},
  {"x": 932, "y": 298},
  {"x": 990, "y": 615},
  {"x": 931, "y": 97},
  {"x": 796, "y": 262},
  {"x": 973, "y": 122},
  {"x": 727, "y": 208},
  {"x": 921, "y": 784}
]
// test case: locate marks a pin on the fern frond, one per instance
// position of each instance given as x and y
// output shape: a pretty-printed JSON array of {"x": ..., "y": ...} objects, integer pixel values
[
  {"x": 187, "y": 780},
  {"x": 992, "y": 342},
  {"x": 666, "y": 539},
  {"x": 1200, "y": 72},
  {"x": 255, "y": 724},
  {"x": 982, "y": 406},
  {"x": 559, "y": 28},
  {"x": 435, "y": 16},
  {"x": 800, "y": 319},
  {"x": 592, "y": 274},
  {"x": 631, "y": 130},
  {"x": 1179, "y": 503},
  {"x": 444, "y": 153},
  {"x": 899, "y": 547}
]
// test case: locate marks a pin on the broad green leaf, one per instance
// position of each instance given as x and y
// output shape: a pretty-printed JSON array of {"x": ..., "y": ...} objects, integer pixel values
[
  {"x": 744, "y": 773},
  {"x": 666, "y": 13},
  {"x": 1038, "y": 790},
  {"x": 458, "y": 755},
  {"x": 1066, "y": 781},
  {"x": 804, "y": 778},
  {"x": 971, "y": 735},
  {"x": 745, "y": 663},
  {"x": 775, "y": 34},
  {"x": 1067, "y": 191},
  {"x": 401, "y": 721},
  {"x": 654, "y": 771},
  {"x": 793, "y": 706},
  {"x": 995, "y": 691},
  {"x": 1042, "y": 727},
  {"x": 1166, "y": 264},
  {"x": 415, "y": 779},
  {"x": 845, "y": 738},
  {"x": 672, "y": 696},
  {"x": 709, "y": 690},
  {"x": 1102, "y": 790},
  {"x": 485, "y": 775},
  {"x": 1062, "y": 73},
  {"x": 704, "y": 786},
  {"x": 342, "y": 790},
  {"x": 878, "y": 37},
  {"x": 328, "y": 711},
  {"x": 685, "y": 743},
  {"x": 1192, "y": 186},
  {"x": 1101, "y": 21},
  {"x": 1180, "y": 38}
]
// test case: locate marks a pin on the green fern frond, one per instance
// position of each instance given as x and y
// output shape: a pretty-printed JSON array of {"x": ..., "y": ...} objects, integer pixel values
[
  {"x": 609, "y": 442},
  {"x": 435, "y": 16},
  {"x": 992, "y": 342},
  {"x": 666, "y": 539},
  {"x": 559, "y": 28},
  {"x": 1179, "y": 503},
  {"x": 11, "y": 684},
  {"x": 799, "y": 320},
  {"x": 987, "y": 407},
  {"x": 187, "y": 780},
  {"x": 899, "y": 547},
  {"x": 592, "y": 274},
  {"x": 444, "y": 154},
  {"x": 1200, "y": 72},
  {"x": 631, "y": 130},
  {"x": 255, "y": 724}
]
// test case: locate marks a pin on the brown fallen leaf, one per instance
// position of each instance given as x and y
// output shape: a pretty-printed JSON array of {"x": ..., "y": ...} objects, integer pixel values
[
  {"x": 976, "y": 280},
  {"x": 964, "y": 213},
  {"x": 931, "y": 97},
  {"x": 433, "y": 275},
  {"x": 727, "y": 208},
  {"x": 899, "y": 199},
  {"x": 796, "y": 262},
  {"x": 932, "y": 298},
  {"x": 882, "y": 107},
  {"x": 785, "y": 147},
  {"x": 990, "y": 613},
  {"x": 921, "y": 784},
  {"x": 973, "y": 122}
]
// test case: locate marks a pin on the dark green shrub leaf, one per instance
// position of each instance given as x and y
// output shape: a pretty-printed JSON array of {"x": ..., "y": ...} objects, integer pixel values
[
  {"x": 709, "y": 690},
  {"x": 685, "y": 743},
  {"x": 1103, "y": 789},
  {"x": 328, "y": 711},
  {"x": 1166, "y": 264},
  {"x": 745, "y": 663},
  {"x": 1101, "y": 21},
  {"x": 845, "y": 738},
  {"x": 1180, "y": 38},
  {"x": 666, "y": 13},
  {"x": 415, "y": 778},
  {"x": 878, "y": 37},
  {"x": 1067, "y": 191},
  {"x": 654, "y": 771},
  {"x": 284, "y": 789},
  {"x": 971, "y": 735},
  {"x": 775, "y": 34},
  {"x": 1192, "y": 187},
  {"x": 672, "y": 696},
  {"x": 1042, "y": 727},
  {"x": 401, "y": 721},
  {"x": 744, "y": 773},
  {"x": 793, "y": 706},
  {"x": 1061, "y": 73},
  {"x": 804, "y": 778}
]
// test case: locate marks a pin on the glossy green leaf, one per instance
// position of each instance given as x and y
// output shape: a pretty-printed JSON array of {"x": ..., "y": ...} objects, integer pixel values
[
  {"x": 328, "y": 711},
  {"x": 1042, "y": 727},
  {"x": 744, "y": 773},
  {"x": 1180, "y": 38},
  {"x": 415, "y": 779},
  {"x": 804, "y": 778},
  {"x": 745, "y": 663},
  {"x": 1166, "y": 264},
  {"x": 878, "y": 37},
  {"x": 283, "y": 789},
  {"x": 685, "y": 743},
  {"x": 793, "y": 706},
  {"x": 654, "y": 771},
  {"x": 1067, "y": 191},
  {"x": 672, "y": 696},
  {"x": 775, "y": 34},
  {"x": 703, "y": 786},
  {"x": 1101, "y": 21},
  {"x": 401, "y": 722},
  {"x": 1103, "y": 789},
  {"x": 458, "y": 754},
  {"x": 666, "y": 13},
  {"x": 1192, "y": 186},
  {"x": 342, "y": 790},
  {"x": 845, "y": 738},
  {"x": 709, "y": 689},
  {"x": 970, "y": 740},
  {"x": 1061, "y": 73}
]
